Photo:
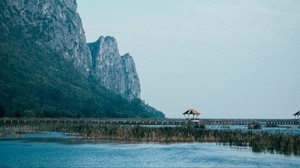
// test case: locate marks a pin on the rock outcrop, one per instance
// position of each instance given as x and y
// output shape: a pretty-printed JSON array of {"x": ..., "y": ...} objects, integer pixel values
[
  {"x": 54, "y": 24},
  {"x": 115, "y": 72},
  {"x": 48, "y": 69}
]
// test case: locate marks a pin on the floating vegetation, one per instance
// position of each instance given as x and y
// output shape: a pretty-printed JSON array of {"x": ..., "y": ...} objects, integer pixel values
[
  {"x": 259, "y": 141},
  {"x": 255, "y": 125}
]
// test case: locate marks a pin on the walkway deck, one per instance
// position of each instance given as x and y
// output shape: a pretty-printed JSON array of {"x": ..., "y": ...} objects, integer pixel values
[{"x": 145, "y": 121}]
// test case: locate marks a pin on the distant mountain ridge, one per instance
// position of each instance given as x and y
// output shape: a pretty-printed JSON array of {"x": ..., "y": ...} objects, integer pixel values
[{"x": 48, "y": 69}]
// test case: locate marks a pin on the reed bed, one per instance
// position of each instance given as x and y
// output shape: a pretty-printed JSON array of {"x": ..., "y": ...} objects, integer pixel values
[{"x": 259, "y": 141}]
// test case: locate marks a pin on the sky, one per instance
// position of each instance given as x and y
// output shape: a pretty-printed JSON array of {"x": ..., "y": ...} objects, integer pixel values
[{"x": 227, "y": 59}]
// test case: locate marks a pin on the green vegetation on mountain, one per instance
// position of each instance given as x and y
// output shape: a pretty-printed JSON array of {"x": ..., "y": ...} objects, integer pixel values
[{"x": 36, "y": 81}]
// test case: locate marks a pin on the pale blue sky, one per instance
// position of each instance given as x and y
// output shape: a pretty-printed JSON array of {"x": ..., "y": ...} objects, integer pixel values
[{"x": 226, "y": 58}]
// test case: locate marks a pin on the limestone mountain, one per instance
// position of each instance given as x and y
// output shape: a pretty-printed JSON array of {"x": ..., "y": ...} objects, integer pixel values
[
  {"x": 47, "y": 69},
  {"x": 113, "y": 71},
  {"x": 51, "y": 24}
]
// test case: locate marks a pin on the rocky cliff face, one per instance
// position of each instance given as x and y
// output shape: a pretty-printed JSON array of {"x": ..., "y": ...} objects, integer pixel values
[
  {"x": 54, "y": 24},
  {"x": 46, "y": 66},
  {"x": 115, "y": 72},
  {"x": 57, "y": 26}
]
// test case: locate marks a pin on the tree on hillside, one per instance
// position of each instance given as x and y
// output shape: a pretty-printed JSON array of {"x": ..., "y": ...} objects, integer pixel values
[{"x": 2, "y": 111}]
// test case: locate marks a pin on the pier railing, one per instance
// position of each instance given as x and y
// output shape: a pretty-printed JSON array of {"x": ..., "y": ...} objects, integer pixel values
[{"x": 146, "y": 121}]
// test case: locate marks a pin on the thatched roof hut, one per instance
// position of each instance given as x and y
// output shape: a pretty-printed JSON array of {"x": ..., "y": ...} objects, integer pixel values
[
  {"x": 193, "y": 112},
  {"x": 297, "y": 114}
]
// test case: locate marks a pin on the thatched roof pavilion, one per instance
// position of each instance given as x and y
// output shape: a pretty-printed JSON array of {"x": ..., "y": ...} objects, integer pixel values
[
  {"x": 297, "y": 114},
  {"x": 193, "y": 112}
]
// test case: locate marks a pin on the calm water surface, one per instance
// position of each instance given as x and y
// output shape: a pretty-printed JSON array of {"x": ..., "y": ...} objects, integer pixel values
[{"x": 55, "y": 150}]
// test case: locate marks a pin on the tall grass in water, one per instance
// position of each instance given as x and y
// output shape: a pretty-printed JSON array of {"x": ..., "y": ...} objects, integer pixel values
[{"x": 259, "y": 141}]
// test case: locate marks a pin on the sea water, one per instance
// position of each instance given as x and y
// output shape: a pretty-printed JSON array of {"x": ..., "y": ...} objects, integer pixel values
[{"x": 56, "y": 150}]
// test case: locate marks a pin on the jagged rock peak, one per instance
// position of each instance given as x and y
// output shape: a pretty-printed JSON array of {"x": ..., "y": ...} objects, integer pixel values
[
  {"x": 53, "y": 24},
  {"x": 127, "y": 55},
  {"x": 39, "y": 39},
  {"x": 115, "y": 72},
  {"x": 111, "y": 41}
]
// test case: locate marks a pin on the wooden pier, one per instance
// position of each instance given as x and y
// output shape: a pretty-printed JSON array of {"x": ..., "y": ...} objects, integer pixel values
[{"x": 145, "y": 121}]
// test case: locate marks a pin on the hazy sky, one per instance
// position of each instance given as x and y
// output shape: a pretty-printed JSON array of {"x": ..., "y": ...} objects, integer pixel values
[{"x": 226, "y": 58}]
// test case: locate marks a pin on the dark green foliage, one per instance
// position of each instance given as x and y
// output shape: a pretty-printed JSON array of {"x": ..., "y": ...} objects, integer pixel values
[
  {"x": 2, "y": 111},
  {"x": 37, "y": 82},
  {"x": 18, "y": 114},
  {"x": 200, "y": 126},
  {"x": 254, "y": 126}
]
